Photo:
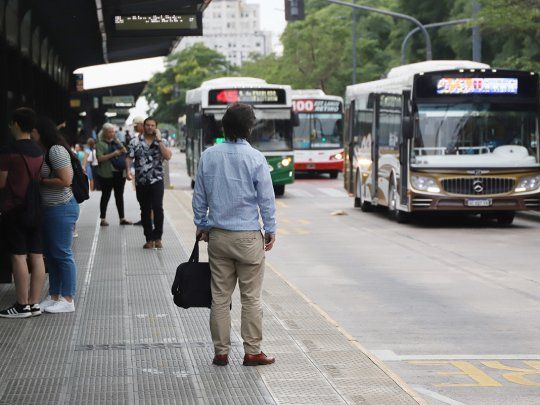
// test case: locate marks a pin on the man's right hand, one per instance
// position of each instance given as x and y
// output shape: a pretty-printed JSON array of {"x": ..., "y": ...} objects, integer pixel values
[{"x": 269, "y": 240}]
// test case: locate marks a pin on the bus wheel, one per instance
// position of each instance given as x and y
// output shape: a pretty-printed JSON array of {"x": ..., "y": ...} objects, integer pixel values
[
  {"x": 359, "y": 202},
  {"x": 192, "y": 184},
  {"x": 334, "y": 174},
  {"x": 393, "y": 203},
  {"x": 279, "y": 190},
  {"x": 505, "y": 218}
]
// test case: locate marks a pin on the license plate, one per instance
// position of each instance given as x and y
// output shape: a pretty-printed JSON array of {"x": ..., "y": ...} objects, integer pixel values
[
  {"x": 310, "y": 166},
  {"x": 486, "y": 202}
]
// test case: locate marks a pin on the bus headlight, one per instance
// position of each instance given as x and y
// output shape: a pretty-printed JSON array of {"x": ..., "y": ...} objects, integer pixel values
[
  {"x": 529, "y": 183},
  {"x": 337, "y": 156},
  {"x": 423, "y": 183},
  {"x": 271, "y": 168},
  {"x": 286, "y": 162}
]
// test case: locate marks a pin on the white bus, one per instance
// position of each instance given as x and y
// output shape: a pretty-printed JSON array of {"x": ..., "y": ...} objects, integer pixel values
[
  {"x": 272, "y": 134},
  {"x": 318, "y": 139},
  {"x": 445, "y": 136}
]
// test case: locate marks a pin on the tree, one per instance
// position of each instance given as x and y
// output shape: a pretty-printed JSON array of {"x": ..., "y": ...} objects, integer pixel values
[{"x": 185, "y": 70}]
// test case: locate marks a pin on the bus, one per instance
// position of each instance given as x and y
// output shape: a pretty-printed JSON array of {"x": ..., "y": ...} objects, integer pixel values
[
  {"x": 318, "y": 139},
  {"x": 272, "y": 134},
  {"x": 444, "y": 136}
]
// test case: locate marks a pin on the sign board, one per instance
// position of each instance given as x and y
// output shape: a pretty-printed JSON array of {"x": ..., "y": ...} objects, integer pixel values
[
  {"x": 119, "y": 111},
  {"x": 171, "y": 24},
  {"x": 118, "y": 101},
  {"x": 247, "y": 96},
  {"x": 316, "y": 106}
]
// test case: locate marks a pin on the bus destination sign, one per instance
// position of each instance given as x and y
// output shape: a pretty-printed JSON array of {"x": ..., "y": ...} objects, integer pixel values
[
  {"x": 247, "y": 96},
  {"x": 316, "y": 106},
  {"x": 477, "y": 85}
]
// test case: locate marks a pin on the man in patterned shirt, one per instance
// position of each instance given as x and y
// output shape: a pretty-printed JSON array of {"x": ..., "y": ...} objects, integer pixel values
[{"x": 147, "y": 152}]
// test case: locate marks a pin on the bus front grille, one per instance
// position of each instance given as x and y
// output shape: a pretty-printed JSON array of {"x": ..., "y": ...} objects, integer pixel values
[
  {"x": 478, "y": 185},
  {"x": 533, "y": 203}
]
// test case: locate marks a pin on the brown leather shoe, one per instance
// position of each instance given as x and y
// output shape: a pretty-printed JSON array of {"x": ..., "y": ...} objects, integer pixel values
[
  {"x": 221, "y": 360},
  {"x": 158, "y": 244},
  {"x": 260, "y": 359},
  {"x": 149, "y": 245}
]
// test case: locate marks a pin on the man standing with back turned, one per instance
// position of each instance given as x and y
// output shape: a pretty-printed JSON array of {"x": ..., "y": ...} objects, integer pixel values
[{"x": 233, "y": 184}]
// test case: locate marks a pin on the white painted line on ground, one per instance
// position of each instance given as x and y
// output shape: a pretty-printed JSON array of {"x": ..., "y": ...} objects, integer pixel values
[
  {"x": 390, "y": 355},
  {"x": 332, "y": 192},
  {"x": 297, "y": 192},
  {"x": 437, "y": 396}
]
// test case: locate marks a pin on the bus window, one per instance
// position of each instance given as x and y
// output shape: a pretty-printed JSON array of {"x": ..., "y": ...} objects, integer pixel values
[
  {"x": 272, "y": 135},
  {"x": 389, "y": 129}
]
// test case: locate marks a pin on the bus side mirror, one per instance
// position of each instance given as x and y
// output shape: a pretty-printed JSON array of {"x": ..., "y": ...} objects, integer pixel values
[
  {"x": 407, "y": 127},
  {"x": 295, "y": 119},
  {"x": 197, "y": 120}
]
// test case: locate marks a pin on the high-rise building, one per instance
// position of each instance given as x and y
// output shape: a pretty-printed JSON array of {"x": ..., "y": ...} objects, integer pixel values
[{"x": 232, "y": 28}]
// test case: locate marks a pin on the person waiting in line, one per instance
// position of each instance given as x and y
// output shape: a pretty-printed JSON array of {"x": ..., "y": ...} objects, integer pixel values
[
  {"x": 60, "y": 214},
  {"x": 138, "y": 128},
  {"x": 232, "y": 186},
  {"x": 91, "y": 161},
  {"x": 111, "y": 176},
  {"x": 147, "y": 153},
  {"x": 21, "y": 162}
]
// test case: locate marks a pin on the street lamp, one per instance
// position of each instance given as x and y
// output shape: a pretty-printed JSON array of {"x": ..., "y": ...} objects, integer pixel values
[
  {"x": 432, "y": 25},
  {"x": 392, "y": 14}
]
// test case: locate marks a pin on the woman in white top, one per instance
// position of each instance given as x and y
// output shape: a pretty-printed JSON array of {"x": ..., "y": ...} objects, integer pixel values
[{"x": 60, "y": 213}]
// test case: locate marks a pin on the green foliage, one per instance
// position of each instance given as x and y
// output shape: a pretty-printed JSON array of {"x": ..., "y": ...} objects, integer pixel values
[{"x": 166, "y": 91}]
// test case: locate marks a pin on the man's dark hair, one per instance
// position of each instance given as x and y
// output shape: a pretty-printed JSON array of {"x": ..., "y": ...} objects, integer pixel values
[
  {"x": 25, "y": 118},
  {"x": 238, "y": 121},
  {"x": 150, "y": 119}
]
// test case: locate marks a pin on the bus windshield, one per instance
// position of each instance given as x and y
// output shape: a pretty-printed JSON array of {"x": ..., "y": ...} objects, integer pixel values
[
  {"x": 272, "y": 135},
  {"x": 482, "y": 133},
  {"x": 318, "y": 131}
]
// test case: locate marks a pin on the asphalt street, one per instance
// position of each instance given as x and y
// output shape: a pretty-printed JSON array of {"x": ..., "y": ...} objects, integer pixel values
[{"x": 449, "y": 303}]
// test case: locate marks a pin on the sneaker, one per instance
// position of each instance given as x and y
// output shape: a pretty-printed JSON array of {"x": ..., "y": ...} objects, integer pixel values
[
  {"x": 158, "y": 244},
  {"x": 35, "y": 309},
  {"x": 125, "y": 222},
  {"x": 61, "y": 307},
  {"x": 149, "y": 245},
  {"x": 103, "y": 223},
  {"x": 16, "y": 311},
  {"x": 48, "y": 302},
  {"x": 75, "y": 235}
]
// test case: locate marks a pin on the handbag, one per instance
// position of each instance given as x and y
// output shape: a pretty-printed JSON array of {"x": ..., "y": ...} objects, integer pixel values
[
  {"x": 191, "y": 286},
  {"x": 118, "y": 162}
]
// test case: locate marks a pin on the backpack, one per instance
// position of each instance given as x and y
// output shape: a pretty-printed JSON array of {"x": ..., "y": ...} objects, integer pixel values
[
  {"x": 79, "y": 184},
  {"x": 30, "y": 209}
]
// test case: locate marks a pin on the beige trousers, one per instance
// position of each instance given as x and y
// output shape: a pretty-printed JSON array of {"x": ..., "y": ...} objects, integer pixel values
[{"x": 236, "y": 256}]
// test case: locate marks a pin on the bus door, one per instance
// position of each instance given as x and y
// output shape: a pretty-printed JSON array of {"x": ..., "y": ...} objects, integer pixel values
[
  {"x": 349, "y": 145},
  {"x": 405, "y": 136},
  {"x": 375, "y": 148}
]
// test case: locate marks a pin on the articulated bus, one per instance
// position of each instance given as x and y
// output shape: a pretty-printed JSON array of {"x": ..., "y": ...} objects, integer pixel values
[
  {"x": 318, "y": 139},
  {"x": 445, "y": 136},
  {"x": 272, "y": 134}
]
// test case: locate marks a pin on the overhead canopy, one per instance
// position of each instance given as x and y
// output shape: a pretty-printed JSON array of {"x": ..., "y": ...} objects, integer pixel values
[{"x": 83, "y": 31}]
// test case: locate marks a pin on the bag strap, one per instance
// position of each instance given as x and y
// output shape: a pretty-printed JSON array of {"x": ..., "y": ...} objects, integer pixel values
[{"x": 194, "y": 258}]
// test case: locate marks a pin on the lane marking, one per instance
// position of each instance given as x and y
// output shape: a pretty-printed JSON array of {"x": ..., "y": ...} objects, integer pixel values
[
  {"x": 298, "y": 192},
  {"x": 437, "y": 396},
  {"x": 283, "y": 231},
  {"x": 281, "y": 204},
  {"x": 383, "y": 367},
  {"x": 390, "y": 355},
  {"x": 465, "y": 368},
  {"x": 332, "y": 192}
]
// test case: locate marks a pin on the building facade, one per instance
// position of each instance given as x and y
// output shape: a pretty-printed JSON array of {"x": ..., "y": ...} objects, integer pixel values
[{"x": 232, "y": 28}]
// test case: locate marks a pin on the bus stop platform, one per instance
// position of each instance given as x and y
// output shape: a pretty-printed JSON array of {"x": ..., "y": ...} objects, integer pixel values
[{"x": 127, "y": 343}]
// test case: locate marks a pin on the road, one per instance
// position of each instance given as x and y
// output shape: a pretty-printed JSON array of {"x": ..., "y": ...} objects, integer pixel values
[{"x": 450, "y": 304}]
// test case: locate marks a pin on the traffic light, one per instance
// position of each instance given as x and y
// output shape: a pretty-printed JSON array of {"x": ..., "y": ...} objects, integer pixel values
[{"x": 294, "y": 10}]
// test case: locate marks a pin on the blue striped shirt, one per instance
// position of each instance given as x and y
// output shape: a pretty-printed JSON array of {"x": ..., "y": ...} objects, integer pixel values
[{"x": 232, "y": 186}]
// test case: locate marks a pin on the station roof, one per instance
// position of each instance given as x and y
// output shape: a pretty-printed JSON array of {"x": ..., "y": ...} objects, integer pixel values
[{"x": 83, "y": 34}]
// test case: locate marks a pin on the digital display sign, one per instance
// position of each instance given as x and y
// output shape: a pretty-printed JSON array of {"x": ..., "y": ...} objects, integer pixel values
[
  {"x": 316, "y": 106},
  {"x": 158, "y": 24},
  {"x": 247, "y": 96},
  {"x": 477, "y": 85}
]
